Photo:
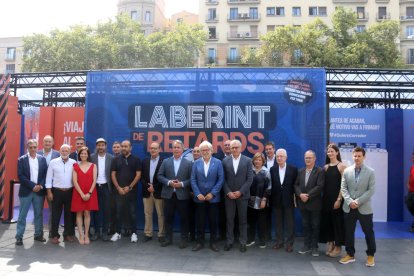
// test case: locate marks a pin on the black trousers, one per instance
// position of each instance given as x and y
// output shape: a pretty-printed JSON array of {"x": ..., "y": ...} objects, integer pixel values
[
  {"x": 311, "y": 223},
  {"x": 62, "y": 200},
  {"x": 256, "y": 218},
  {"x": 101, "y": 217},
  {"x": 192, "y": 218},
  {"x": 210, "y": 210},
  {"x": 126, "y": 205},
  {"x": 170, "y": 206},
  {"x": 285, "y": 225},
  {"x": 367, "y": 227}
]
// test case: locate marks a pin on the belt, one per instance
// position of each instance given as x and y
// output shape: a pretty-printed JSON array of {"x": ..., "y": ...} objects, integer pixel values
[
  {"x": 63, "y": 189},
  {"x": 100, "y": 184}
]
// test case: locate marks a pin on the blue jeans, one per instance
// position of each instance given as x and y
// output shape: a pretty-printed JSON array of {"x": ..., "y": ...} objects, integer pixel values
[{"x": 37, "y": 200}]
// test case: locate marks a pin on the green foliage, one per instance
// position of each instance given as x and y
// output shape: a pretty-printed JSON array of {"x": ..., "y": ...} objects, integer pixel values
[
  {"x": 317, "y": 45},
  {"x": 112, "y": 45}
]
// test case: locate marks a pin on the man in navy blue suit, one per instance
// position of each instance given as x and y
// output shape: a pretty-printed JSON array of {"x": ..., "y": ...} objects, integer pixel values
[
  {"x": 32, "y": 169},
  {"x": 207, "y": 178}
]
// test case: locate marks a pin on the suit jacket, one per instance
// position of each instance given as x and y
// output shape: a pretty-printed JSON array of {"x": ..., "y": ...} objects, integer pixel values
[
  {"x": 283, "y": 193},
  {"x": 55, "y": 153},
  {"x": 23, "y": 172},
  {"x": 145, "y": 178},
  {"x": 240, "y": 181},
  {"x": 361, "y": 191},
  {"x": 210, "y": 184},
  {"x": 314, "y": 188},
  {"x": 108, "y": 162},
  {"x": 74, "y": 156},
  {"x": 166, "y": 173}
]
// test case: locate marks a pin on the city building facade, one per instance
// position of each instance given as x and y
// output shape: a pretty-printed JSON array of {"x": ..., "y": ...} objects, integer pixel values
[{"x": 11, "y": 53}]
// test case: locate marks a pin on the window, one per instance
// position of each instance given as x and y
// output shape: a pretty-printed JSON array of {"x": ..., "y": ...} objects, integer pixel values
[
  {"x": 382, "y": 12},
  {"x": 270, "y": 11},
  {"x": 211, "y": 55},
  {"x": 297, "y": 56},
  {"x": 280, "y": 11},
  {"x": 234, "y": 13},
  {"x": 296, "y": 11},
  {"x": 313, "y": 11},
  {"x": 361, "y": 12},
  {"x": 253, "y": 13},
  {"x": 360, "y": 28},
  {"x": 270, "y": 28},
  {"x": 322, "y": 11},
  {"x": 134, "y": 15},
  {"x": 212, "y": 33},
  {"x": 11, "y": 53},
  {"x": 148, "y": 17},
  {"x": 410, "y": 56},
  {"x": 212, "y": 15},
  {"x": 409, "y": 31},
  {"x": 233, "y": 55},
  {"x": 409, "y": 12},
  {"x": 180, "y": 20},
  {"x": 10, "y": 68}
]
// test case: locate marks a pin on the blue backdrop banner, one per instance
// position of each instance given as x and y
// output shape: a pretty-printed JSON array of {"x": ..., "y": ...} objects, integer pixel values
[{"x": 286, "y": 106}]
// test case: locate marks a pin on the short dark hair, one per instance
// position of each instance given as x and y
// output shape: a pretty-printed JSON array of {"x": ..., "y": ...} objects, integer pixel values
[
  {"x": 116, "y": 142},
  {"x": 359, "y": 149},
  {"x": 80, "y": 138},
  {"x": 270, "y": 143}
]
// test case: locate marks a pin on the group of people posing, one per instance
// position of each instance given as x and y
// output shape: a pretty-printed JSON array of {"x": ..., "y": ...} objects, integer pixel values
[{"x": 236, "y": 194}]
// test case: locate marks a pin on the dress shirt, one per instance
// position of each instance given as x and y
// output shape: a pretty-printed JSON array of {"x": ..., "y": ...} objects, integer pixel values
[
  {"x": 101, "y": 179},
  {"x": 59, "y": 173},
  {"x": 153, "y": 167},
  {"x": 177, "y": 163},
  {"x": 282, "y": 172},
  {"x": 206, "y": 166},
  {"x": 308, "y": 172},
  {"x": 48, "y": 156},
  {"x": 34, "y": 169},
  {"x": 357, "y": 172},
  {"x": 235, "y": 163},
  {"x": 270, "y": 163}
]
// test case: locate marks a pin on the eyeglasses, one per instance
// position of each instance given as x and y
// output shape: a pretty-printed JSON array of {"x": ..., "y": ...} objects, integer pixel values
[
  {"x": 235, "y": 147},
  {"x": 32, "y": 147}
]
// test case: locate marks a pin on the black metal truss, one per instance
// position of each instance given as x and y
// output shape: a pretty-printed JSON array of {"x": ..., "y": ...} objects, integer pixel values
[{"x": 349, "y": 88}]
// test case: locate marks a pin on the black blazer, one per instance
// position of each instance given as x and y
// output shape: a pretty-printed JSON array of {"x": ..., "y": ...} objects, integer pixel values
[
  {"x": 283, "y": 193},
  {"x": 145, "y": 178},
  {"x": 314, "y": 188}
]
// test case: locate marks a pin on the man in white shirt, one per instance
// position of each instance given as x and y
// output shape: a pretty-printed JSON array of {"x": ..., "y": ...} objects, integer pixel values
[
  {"x": 59, "y": 191},
  {"x": 32, "y": 170},
  {"x": 270, "y": 154}
]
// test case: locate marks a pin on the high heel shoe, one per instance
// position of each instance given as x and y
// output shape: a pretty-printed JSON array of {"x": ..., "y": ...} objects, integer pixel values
[
  {"x": 87, "y": 241},
  {"x": 81, "y": 240}
]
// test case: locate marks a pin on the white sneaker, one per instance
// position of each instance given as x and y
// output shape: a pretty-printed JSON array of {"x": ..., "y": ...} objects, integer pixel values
[
  {"x": 134, "y": 237},
  {"x": 116, "y": 237}
]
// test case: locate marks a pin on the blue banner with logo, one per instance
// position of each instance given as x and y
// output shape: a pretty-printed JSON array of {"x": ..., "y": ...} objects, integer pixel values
[{"x": 286, "y": 106}]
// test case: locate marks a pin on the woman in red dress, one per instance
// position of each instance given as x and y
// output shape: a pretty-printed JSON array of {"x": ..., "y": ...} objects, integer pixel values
[{"x": 84, "y": 198}]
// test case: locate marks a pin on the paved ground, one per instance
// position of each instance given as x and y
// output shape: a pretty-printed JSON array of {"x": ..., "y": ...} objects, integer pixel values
[{"x": 394, "y": 257}]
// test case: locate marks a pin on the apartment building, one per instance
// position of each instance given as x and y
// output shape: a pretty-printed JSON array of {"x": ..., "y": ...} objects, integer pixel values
[
  {"x": 11, "y": 55},
  {"x": 149, "y": 13},
  {"x": 183, "y": 17},
  {"x": 236, "y": 24}
]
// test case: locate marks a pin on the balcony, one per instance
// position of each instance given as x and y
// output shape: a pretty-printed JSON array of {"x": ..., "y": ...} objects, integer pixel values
[
  {"x": 213, "y": 37},
  {"x": 407, "y": 38},
  {"x": 243, "y": 36},
  {"x": 244, "y": 17},
  {"x": 212, "y": 2},
  {"x": 382, "y": 1},
  {"x": 407, "y": 18},
  {"x": 239, "y": 2},
  {"x": 383, "y": 16},
  {"x": 406, "y": 1},
  {"x": 211, "y": 60},
  {"x": 233, "y": 60},
  {"x": 10, "y": 57},
  {"x": 349, "y": 1},
  {"x": 212, "y": 19},
  {"x": 362, "y": 16}
]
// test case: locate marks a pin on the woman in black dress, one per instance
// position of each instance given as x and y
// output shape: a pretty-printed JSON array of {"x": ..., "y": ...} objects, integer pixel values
[{"x": 332, "y": 224}]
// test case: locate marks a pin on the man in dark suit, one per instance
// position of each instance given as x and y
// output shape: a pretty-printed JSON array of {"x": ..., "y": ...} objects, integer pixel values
[
  {"x": 103, "y": 161},
  {"x": 282, "y": 200},
  {"x": 175, "y": 174},
  {"x": 308, "y": 188},
  {"x": 32, "y": 169},
  {"x": 238, "y": 177},
  {"x": 151, "y": 193},
  {"x": 207, "y": 179},
  {"x": 79, "y": 143}
]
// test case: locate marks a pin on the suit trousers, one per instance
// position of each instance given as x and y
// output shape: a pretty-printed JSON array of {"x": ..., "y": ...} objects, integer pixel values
[
  {"x": 367, "y": 227},
  {"x": 62, "y": 200},
  {"x": 240, "y": 206},
  {"x": 210, "y": 210},
  {"x": 101, "y": 217},
  {"x": 256, "y": 218},
  {"x": 149, "y": 203},
  {"x": 311, "y": 222},
  {"x": 170, "y": 205},
  {"x": 36, "y": 200},
  {"x": 285, "y": 225}
]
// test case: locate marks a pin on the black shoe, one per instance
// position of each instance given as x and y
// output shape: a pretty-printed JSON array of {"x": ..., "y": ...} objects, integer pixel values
[
  {"x": 197, "y": 247},
  {"x": 165, "y": 243},
  {"x": 161, "y": 239},
  {"x": 146, "y": 238},
  {"x": 214, "y": 247},
  {"x": 191, "y": 238},
  {"x": 228, "y": 247},
  {"x": 183, "y": 244},
  {"x": 94, "y": 237},
  {"x": 19, "y": 241},
  {"x": 243, "y": 248},
  {"x": 40, "y": 239}
]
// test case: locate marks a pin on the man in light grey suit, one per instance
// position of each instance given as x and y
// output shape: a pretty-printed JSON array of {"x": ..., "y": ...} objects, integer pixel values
[
  {"x": 175, "y": 175},
  {"x": 238, "y": 177},
  {"x": 103, "y": 161},
  {"x": 357, "y": 188}
]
